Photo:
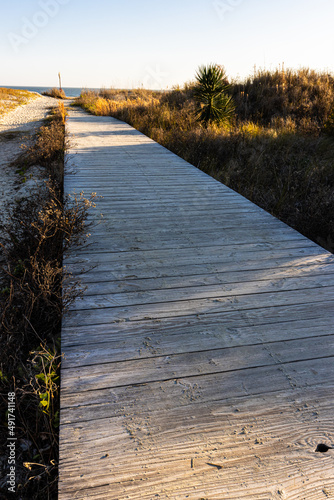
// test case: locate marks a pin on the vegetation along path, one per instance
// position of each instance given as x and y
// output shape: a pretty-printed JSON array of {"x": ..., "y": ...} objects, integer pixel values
[{"x": 199, "y": 363}]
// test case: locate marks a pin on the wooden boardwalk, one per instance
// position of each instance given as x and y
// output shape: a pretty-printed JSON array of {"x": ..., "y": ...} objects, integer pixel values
[{"x": 199, "y": 364}]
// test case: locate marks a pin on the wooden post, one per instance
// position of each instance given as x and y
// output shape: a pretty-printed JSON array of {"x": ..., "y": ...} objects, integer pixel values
[{"x": 59, "y": 81}]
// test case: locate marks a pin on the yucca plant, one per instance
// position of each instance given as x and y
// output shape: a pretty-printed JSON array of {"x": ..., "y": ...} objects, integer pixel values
[{"x": 210, "y": 93}]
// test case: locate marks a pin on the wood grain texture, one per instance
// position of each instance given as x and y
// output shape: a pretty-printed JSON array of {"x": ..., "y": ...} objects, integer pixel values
[{"x": 199, "y": 363}]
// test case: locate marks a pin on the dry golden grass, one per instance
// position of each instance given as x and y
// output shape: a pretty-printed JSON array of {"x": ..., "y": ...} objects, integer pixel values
[
  {"x": 12, "y": 98},
  {"x": 304, "y": 96},
  {"x": 279, "y": 151},
  {"x": 56, "y": 93},
  {"x": 62, "y": 111}
]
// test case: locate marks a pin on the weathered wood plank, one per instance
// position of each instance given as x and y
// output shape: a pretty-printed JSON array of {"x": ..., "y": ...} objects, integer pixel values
[
  {"x": 124, "y": 265},
  {"x": 208, "y": 252},
  {"x": 154, "y": 337},
  {"x": 96, "y": 299},
  {"x": 202, "y": 362},
  {"x": 118, "y": 348},
  {"x": 85, "y": 344},
  {"x": 174, "y": 217},
  {"x": 141, "y": 241},
  {"x": 170, "y": 450},
  {"x": 99, "y": 285},
  {"x": 205, "y": 336},
  {"x": 201, "y": 390},
  {"x": 214, "y": 305}
]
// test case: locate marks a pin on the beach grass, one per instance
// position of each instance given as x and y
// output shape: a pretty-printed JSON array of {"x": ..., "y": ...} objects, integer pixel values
[
  {"x": 12, "y": 98},
  {"x": 56, "y": 93}
]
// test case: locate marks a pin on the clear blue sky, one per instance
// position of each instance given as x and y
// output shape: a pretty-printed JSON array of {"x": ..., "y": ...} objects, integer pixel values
[{"x": 155, "y": 43}]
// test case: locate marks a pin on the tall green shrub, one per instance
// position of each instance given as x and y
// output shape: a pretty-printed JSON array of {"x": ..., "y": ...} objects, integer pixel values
[{"x": 214, "y": 105}]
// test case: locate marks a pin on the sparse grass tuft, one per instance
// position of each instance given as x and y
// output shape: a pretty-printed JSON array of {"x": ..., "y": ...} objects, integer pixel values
[
  {"x": 61, "y": 111},
  {"x": 56, "y": 93},
  {"x": 49, "y": 148}
]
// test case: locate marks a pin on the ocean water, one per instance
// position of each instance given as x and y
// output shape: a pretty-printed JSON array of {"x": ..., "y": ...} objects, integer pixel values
[{"x": 69, "y": 91}]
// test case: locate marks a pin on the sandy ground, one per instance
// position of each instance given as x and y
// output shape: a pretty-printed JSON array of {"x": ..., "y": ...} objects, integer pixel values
[
  {"x": 17, "y": 130},
  {"x": 25, "y": 116}
]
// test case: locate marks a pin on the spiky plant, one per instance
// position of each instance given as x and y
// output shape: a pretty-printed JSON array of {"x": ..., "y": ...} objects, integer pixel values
[{"x": 210, "y": 93}]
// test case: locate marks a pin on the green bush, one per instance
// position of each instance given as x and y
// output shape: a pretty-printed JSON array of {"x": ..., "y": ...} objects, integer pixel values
[{"x": 214, "y": 105}]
